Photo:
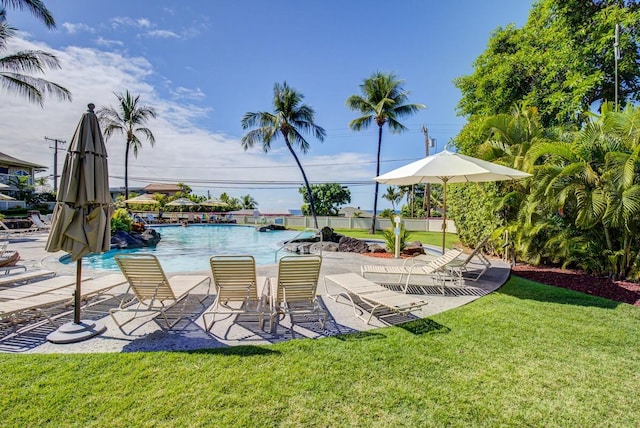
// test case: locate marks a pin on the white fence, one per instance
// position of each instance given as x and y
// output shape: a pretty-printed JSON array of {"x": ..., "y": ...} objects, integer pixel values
[{"x": 411, "y": 224}]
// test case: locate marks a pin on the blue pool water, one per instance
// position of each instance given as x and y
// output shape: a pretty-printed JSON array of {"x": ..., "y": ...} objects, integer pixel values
[{"x": 184, "y": 249}]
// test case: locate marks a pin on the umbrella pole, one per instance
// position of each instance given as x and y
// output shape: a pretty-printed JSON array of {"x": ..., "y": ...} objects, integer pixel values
[
  {"x": 78, "y": 294},
  {"x": 444, "y": 215}
]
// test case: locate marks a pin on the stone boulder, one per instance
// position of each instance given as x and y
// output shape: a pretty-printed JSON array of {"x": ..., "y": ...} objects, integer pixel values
[
  {"x": 149, "y": 238},
  {"x": 377, "y": 248},
  {"x": 352, "y": 245},
  {"x": 328, "y": 235},
  {"x": 413, "y": 248},
  {"x": 270, "y": 227},
  {"x": 122, "y": 240}
]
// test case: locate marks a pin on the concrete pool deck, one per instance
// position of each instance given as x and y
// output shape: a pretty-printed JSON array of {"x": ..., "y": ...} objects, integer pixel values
[{"x": 150, "y": 334}]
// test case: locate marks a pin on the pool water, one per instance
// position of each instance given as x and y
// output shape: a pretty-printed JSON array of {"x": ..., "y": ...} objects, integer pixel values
[{"x": 184, "y": 249}]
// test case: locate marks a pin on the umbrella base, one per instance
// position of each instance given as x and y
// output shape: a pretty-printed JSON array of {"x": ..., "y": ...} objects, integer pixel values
[{"x": 72, "y": 332}]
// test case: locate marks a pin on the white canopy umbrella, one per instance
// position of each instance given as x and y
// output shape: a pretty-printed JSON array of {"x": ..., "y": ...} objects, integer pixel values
[
  {"x": 142, "y": 199},
  {"x": 448, "y": 167},
  {"x": 214, "y": 202},
  {"x": 182, "y": 202}
]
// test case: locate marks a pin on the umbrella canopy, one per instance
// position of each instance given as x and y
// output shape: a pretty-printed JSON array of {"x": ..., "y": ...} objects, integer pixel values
[
  {"x": 81, "y": 218},
  {"x": 142, "y": 199},
  {"x": 213, "y": 202},
  {"x": 182, "y": 202},
  {"x": 448, "y": 167},
  {"x": 4, "y": 186},
  {"x": 4, "y": 197}
]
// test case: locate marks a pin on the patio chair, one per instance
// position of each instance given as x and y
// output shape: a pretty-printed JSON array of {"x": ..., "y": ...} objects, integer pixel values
[
  {"x": 374, "y": 295},
  {"x": 152, "y": 290},
  {"x": 7, "y": 229},
  {"x": 58, "y": 296},
  {"x": 436, "y": 269},
  {"x": 460, "y": 266},
  {"x": 293, "y": 292},
  {"x": 235, "y": 282},
  {"x": 13, "y": 279},
  {"x": 35, "y": 219}
]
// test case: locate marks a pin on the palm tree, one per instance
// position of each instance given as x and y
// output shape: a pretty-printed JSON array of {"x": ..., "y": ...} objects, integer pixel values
[
  {"x": 290, "y": 118},
  {"x": 16, "y": 68},
  {"x": 384, "y": 101},
  {"x": 393, "y": 195},
  {"x": 248, "y": 202},
  {"x": 36, "y": 7},
  {"x": 128, "y": 120}
]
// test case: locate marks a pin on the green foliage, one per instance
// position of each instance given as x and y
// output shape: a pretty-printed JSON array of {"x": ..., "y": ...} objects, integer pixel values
[
  {"x": 472, "y": 207},
  {"x": 390, "y": 238},
  {"x": 328, "y": 198},
  {"x": 121, "y": 220},
  {"x": 561, "y": 61}
]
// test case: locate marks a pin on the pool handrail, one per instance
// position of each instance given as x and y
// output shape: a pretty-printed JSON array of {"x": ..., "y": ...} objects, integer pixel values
[{"x": 307, "y": 229}]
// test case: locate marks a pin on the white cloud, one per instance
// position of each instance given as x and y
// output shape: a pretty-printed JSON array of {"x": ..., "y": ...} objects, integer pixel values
[
  {"x": 183, "y": 152},
  {"x": 189, "y": 94},
  {"x": 74, "y": 28},
  {"x": 162, "y": 34},
  {"x": 100, "y": 41},
  {"x": 144, "y": 22}
]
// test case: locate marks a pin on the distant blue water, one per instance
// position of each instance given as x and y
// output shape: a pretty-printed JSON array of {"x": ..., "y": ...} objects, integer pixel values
[{"x": 299, "y": 212}]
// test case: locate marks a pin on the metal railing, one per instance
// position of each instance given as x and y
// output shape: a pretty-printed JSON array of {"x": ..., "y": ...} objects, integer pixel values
[{"x": 316, "y": 233}]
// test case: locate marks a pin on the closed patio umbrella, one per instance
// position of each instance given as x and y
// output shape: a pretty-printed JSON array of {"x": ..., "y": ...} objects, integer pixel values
[
  {"x": 81, "y": 218},
  {"x": 448, "y": 167}
]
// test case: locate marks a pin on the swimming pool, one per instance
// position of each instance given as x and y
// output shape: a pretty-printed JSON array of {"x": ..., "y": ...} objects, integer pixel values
[{"x": 184, "y": 249}]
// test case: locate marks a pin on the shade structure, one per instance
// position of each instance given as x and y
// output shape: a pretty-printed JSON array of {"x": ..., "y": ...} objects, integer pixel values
[
  {"x": 142, "y": 199},
  {"x": 449, "y": 167},
  {"x": 81, "y": 218},
  {"x": 4, "y": 197},
  {"x": 213, "y": 202}
]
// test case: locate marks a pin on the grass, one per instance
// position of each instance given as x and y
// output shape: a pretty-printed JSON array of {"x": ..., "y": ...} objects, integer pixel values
[{"x": 528, "y": 355}]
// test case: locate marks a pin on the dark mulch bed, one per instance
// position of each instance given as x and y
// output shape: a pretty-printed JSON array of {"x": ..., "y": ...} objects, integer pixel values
[{"x": 620, "y": 291}]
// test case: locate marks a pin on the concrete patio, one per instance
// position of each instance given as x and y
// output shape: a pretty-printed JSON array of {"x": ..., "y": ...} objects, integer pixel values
[{"x": 149, "y": 334}]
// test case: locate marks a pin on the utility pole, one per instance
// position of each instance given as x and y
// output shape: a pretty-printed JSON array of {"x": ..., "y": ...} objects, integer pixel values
[
  {"x": 427, "y": 189},
  {"x": 55, "y": 160}
]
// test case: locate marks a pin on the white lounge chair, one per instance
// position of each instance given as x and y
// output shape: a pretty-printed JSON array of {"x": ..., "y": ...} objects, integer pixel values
[
  {"x": 151, "y": 288},
  {"x": 11, "y": 232},
  {"x": 435, "y": 269},
  {"x": 459, "y": 267},
  {"x": 375, "y": 295},
  {"x": 13, "y": 279},
  {"x": 235, "y": 282},
  {"x": 40, "y": 304},
  {"x": 35, "y": 219},
  {"x": 294, "y": 290}
]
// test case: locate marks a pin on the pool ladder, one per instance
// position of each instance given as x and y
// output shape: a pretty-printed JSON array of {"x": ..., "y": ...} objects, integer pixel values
[{"x": 316, "y": 233}]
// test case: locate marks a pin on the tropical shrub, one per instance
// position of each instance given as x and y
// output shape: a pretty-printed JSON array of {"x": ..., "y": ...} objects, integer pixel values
[
  {"x": 390, "y": 238},
  {"x": 121, "y": 220}
]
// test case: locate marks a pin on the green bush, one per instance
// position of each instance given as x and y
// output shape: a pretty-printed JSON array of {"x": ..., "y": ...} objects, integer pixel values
[
  {"x": 390, "y": 238},
  {"x": 121, "y": 220}
]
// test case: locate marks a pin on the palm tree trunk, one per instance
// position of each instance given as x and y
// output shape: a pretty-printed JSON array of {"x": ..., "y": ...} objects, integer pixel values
[
  {"x": 306, "y": 183},
  {"x": 126, "y": 171},
  {"x": 375, "y": 197}
]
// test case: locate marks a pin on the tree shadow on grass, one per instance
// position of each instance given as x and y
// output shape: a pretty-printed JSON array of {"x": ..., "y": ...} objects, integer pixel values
[
  {"x": 522, "y": 288},
  {"x": 424, "y": 326}
]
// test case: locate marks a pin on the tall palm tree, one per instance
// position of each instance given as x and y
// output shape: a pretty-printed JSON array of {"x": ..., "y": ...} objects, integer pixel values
[
  {"x": 393, "y": 195},
  {"x": 383, "y": 100},
  {"x": 290, "y": 118},
  {"x": 16, "y": 68},
  {"x": 248, "y": 202},
  {"x": 127, "y": 119}
]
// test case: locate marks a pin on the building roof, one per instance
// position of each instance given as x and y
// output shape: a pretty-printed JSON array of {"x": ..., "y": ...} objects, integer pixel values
[
  {"x": 4, "y": 158},
  {"x": 161, "y": 188}
]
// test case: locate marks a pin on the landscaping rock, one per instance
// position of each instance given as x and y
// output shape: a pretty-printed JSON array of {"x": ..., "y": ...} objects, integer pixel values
[
  {"x": 377, "y": 248},
  {"x": 352, "y": 245},
  {"x": 413, "y": 248}
]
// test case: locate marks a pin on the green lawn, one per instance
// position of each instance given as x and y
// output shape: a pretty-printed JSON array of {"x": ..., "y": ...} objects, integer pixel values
[
  {"x": 528, "y": 355},
  {"x": 427, "y": 238}
]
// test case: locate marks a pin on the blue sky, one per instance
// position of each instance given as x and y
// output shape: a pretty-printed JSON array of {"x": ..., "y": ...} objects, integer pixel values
[{"x": 203, "y": 65}]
